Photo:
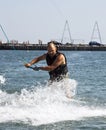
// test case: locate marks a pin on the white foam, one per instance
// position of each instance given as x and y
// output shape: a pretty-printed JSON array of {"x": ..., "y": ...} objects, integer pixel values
[
  {"x": 2, "y": 79},
  {"x": 43, "y": 105}
]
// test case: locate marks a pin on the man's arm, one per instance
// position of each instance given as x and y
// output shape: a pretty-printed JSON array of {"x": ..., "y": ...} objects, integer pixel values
[
  {"x": 59, "y": 61},
  {"x": 35, "y": 60}
]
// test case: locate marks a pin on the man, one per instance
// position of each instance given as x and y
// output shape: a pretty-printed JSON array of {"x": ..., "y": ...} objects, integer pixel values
[{"x": 56, "y": 63}]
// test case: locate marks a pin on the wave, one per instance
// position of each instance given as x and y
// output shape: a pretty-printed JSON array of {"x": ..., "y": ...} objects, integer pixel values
[
  {"x": 45, "y": 104},
  {"x": 2, "y": 79}
]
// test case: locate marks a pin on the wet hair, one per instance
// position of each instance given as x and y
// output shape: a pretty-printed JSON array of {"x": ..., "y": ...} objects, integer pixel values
[{"x": 54, "y": 43}]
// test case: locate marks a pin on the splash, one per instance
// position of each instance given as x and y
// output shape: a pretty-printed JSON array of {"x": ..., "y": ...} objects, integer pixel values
[
  {"x": 45, "y": 104},
  {"x": 2, "y": 79}
]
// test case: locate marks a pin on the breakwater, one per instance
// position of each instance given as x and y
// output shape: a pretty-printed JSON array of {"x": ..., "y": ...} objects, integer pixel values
[{"x": 74, "y": 47}]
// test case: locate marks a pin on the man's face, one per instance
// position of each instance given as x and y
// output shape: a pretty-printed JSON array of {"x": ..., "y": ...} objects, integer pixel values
[{"x": 51, "y": 50}]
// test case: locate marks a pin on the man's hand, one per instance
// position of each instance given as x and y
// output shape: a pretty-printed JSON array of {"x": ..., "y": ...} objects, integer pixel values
[
  {"x": 27, "y": 65},
  {"x": 36, "y": 68}
]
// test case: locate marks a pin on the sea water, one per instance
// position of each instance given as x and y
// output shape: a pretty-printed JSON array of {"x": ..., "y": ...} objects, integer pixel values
[{"x": 28, "y": 101}]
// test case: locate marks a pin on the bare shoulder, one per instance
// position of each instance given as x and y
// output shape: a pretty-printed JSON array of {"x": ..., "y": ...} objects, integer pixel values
[{"x": 61, "y": 56}]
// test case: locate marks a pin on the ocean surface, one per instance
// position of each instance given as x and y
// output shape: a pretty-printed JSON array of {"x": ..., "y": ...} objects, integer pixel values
[{"x": 29, "y": 102}]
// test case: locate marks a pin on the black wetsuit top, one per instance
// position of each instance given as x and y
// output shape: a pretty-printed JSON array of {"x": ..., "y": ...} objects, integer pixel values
[{"x": 61, "y": 71}]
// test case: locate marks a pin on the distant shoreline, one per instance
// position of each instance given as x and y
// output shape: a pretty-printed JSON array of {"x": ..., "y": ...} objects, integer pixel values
[{"x": 73, "y": 47}]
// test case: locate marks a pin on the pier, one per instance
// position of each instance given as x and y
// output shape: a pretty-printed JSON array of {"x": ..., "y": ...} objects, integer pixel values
[{"x": 66, "y": 47}]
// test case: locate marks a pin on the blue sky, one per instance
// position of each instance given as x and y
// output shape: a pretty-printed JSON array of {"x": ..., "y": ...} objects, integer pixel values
[{"x": 32, "y": 20}]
